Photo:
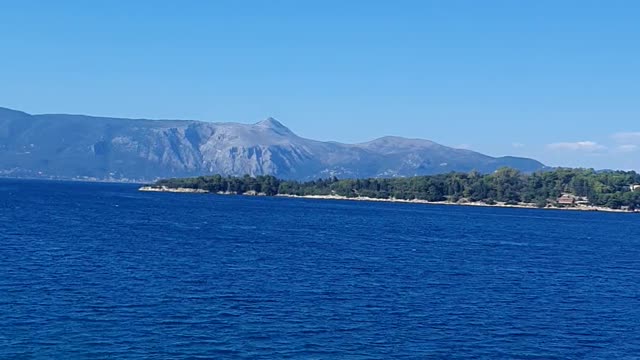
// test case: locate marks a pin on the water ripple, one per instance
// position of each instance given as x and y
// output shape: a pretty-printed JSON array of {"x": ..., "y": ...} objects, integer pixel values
[{"x": 200, "y": 277}]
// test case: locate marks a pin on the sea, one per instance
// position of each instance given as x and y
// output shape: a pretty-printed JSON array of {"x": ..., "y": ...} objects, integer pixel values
[{"x": 102, "y": 271}]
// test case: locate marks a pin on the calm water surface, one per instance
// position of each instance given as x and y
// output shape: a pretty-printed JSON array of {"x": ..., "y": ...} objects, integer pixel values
[{"x": 100, "y": 271}]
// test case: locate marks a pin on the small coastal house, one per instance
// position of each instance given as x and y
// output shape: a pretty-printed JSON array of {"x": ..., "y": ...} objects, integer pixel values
[
  {"x": 635, "y": 187},
  {"x": 567, "y": 199}
]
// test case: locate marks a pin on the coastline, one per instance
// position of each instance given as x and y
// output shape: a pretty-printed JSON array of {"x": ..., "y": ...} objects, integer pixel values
[
  {"x": 172, "y": 190},
  {"x": 450, "y": 203},
  {"x": 393, "y": 200}
]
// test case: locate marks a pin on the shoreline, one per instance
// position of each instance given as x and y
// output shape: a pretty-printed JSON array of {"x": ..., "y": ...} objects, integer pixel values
[
  {"x": 449, "y": 203},
  {"x": 393, "y": 200},
  {"x": 172, "y": 190}
]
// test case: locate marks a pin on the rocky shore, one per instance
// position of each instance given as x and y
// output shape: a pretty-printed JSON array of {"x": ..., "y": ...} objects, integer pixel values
[
  {"x": 462, "y": 203},
  {"x": 171, "y": 190}
]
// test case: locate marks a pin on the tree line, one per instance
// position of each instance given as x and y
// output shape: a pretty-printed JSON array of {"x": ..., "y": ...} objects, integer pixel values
[{"x": 607, "y": 188}]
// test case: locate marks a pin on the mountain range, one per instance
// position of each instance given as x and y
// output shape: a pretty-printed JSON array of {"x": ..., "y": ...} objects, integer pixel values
[{"x": 101, "y": 148}]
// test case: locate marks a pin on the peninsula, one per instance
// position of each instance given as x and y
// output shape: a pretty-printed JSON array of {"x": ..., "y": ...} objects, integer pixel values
[{"x": 579, "y": 189}]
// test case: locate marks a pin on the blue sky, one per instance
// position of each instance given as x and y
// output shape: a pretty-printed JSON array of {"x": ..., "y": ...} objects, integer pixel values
[{"x": 555, "y": 80}]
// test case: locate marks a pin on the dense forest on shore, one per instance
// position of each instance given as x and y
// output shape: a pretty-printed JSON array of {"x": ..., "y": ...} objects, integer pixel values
[{"x": 612, "y": 189}]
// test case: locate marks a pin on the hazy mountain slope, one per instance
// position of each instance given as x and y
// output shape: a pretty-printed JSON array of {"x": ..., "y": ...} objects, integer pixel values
[{"x": 76, "y": 146}]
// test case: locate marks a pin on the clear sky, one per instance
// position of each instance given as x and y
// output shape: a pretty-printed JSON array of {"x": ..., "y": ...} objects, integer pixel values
[{"x": 555, "y": 80}]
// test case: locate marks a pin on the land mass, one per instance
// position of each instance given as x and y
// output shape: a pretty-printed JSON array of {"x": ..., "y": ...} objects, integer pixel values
[
  {"x": 581, "y": 189},
  {"x": 80, "y": 147}
]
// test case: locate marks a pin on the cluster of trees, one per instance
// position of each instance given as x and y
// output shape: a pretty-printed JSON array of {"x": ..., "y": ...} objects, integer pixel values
[
  {"x": 267, "y": 185},
  {"x": 609, "y": 189}
]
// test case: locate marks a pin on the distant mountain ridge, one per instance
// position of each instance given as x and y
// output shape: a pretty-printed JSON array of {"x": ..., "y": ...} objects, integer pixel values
[{"x": 87, "y": 147}]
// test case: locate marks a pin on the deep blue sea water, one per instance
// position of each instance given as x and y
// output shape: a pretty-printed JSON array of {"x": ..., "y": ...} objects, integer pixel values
[{"x": 101, "y": 271}]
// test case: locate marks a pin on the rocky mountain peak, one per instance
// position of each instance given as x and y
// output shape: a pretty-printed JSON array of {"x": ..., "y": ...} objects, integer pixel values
[
  {"x": 271, "y": 123},
  {"x": 274, "y": 126}
]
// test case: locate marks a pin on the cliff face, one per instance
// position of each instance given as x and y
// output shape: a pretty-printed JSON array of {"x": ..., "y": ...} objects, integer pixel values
[{"x": 75, "y": 146}]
